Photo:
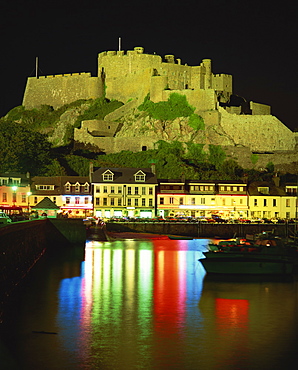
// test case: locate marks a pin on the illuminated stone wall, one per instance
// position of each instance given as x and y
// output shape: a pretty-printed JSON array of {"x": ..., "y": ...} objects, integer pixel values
[
  {"x": 257, "y": 132},
  {"x": 58, "y": 90}
]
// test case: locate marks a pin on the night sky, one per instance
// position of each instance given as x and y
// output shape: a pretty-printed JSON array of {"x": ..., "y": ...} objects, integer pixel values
[{"x": 255, "y": 41}]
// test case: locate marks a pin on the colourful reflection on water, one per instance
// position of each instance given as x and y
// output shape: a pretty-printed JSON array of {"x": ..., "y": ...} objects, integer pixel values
[
  {"x": 129, "y": 292},
  {"x": 149, "y": 304}
]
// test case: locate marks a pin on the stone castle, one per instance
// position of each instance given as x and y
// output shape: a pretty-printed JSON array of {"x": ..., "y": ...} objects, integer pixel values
[{"x": 130, "y": 76}]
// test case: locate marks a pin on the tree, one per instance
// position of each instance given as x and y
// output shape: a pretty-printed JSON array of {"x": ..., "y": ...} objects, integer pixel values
[{"x": 22, "y": 149}]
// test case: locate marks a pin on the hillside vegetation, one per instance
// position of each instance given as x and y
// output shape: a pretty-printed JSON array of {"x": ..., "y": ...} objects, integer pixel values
[{"x": 40, "y": 141}]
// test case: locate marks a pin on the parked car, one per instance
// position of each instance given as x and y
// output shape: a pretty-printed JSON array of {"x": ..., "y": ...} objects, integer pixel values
[{"x": 4, "y": 218}]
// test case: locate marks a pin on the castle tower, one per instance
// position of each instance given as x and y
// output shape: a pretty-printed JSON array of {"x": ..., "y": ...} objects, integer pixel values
[{"x": 208, "y": 76}]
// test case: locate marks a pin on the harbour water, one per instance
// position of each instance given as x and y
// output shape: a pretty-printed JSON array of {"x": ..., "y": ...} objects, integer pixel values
[{"x": 147, "y": 304}]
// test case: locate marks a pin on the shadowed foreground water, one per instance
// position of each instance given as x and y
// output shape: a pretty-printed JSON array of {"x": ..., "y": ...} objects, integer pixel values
[{"x": 140, "y": 304}]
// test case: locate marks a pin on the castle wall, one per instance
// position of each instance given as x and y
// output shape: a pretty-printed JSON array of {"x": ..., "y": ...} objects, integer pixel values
[
  {"x": 200, "y": 99},
  {"x": 114, "y": 145},
  {"x": 257, "y": 108},
  {"x": 58, "y": 90},
  {"x": 134, "y": 86},
  {"x": 258, "y": 132}
]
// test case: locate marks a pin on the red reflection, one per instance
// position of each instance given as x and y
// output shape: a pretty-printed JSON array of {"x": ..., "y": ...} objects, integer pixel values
[
  {"x": 231, "y": 314},
  {"x": 169, "y": 287}
]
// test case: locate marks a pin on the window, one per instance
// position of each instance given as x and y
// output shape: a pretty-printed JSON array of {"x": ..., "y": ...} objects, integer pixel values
[
  {"x": 171, "y": 200},
  {"x": 202, "y": 200},
  {"x": 35, "y": 199},
  {"x": 97, "y": 189},
  {"x": 143, "y": 202},
  {"x": 255, "y": 202},
  {"x": 150, "y": 191},
  {"x": 45, "y": 187},
  {"x": 86, "y": 188},
  {"x": 119, "y": 202},
  {"x": 97, "y": 201},
  {"x": 241, "y": 188},
  {"x": 150, "y": 202},
  {"x": 86, "y": 200},
  {"x": 202, "y": 188},
  {"x": 136, "y": 190},
  {"x": 143, "y": 190},
  {"x": 234, "y": 188},
  {"x": 112, "y": 189},
  {"x": 136, "y": 202},
  {"x": 263, "y": 190},
  {"x": 105, "y": 201},
  {"x": 77, "y": 200},
  {"x": 23, "y": 198},
  {"x": 228, "y": 188},
  {"x": 129, "y": 202},
  {"x": 67, "y": 200},
  {"x": 180, "y": 200},
  {"x": 162, "y": 201},
  {"x": 105, "y": 189},
  {"x": 287, "y": 202},
  {"x": 140, "y": 177},
  {"x": 240, "y": 201},
  {"x": 223, "y": 202},
  {"x": 108, "y": 176},
  {"x": 129, "y": 190},
  {"x": 4, "y": 197},
  {"x": 193, "y": 201},
  {"x": 54, "y": 200},
  {"x": 77, "y": 188},
  {"x": 119, "y": 190},
  {"x": 265, "y": 202},
  {"x": 274, "y": 202},
  {"x": 112, "y": 201}
]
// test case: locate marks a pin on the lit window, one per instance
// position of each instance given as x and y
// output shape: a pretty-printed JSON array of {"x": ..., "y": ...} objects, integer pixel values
[
  {"x": 4, "y": 197},
  {"x": 67, "y": 188},
  {"x": 67, "y": 200},
  {"x": 180, "y": 200},
  {"x": 77, "y": 200},
  {"x": 192, "y": 201},
  {"x": 77, "y": 188},
  {"x": 86, "y": 200},
  {"x": 108, "y": 176},
  {"x": 97, "y": 201},
  {"x": 171, "y": 200},
  {"x": 202, "y": 200}
]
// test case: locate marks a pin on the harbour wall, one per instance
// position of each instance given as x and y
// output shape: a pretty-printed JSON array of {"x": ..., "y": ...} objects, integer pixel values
[
  {"x": 23, "y": 243},
  {"x": 201, "y": 229}
]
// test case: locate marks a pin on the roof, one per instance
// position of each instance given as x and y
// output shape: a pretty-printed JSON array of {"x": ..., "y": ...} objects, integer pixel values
[
  {"x": 46, "y": 203},
  {"x": 124, "y": 176},
  {"x": 58, "y": 182},
  {"x": 273, "y": 190}
]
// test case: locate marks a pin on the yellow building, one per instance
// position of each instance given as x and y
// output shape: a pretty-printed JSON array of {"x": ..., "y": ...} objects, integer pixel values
[
  {"x": 124, "y": 192},
  {"x": 14, "y": 190}
]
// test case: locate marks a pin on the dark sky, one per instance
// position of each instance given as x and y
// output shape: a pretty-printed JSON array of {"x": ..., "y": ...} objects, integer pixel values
[{"x": 255, "y": 41}]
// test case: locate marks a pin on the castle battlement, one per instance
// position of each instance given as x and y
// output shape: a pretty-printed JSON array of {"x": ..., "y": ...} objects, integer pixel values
[{"x": 81, "y": 74}]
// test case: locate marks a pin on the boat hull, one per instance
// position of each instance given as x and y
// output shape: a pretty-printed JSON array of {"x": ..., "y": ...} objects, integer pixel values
[{"x": 224, "y": 263}]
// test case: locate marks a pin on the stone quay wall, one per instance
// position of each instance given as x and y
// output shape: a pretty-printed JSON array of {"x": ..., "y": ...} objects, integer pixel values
[
  {"x": 23, "y": 243},
  {"x": 200, "y": 230}
]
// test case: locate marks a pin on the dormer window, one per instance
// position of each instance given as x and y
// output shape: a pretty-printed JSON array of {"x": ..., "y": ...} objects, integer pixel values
[
  {"x": 67, "y": 187},
  {"x": 77, "y": 187},
  {"x": 45, "y": 187},
  {"x": 263, "y": 190},
  {"x": 86, "y": 188},
  {"x": 140, "y": 176},
  {"x": 108, "y": 176}
]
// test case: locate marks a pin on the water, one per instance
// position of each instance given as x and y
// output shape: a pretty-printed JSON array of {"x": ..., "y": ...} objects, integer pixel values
[{"x": 139, "y": 304}]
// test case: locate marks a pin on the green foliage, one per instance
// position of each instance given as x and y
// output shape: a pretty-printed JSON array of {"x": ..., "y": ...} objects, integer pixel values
[
  {"x": 195, "y": 153},
  {"x": 78, "y": 165},
  {"x": 98, "y": 109},
  {"x": 254, "y": 158},
  {"x": 196, "y": 122},
  {"x": 54, "y": 169},
  {"x": 270, "y": 167},
  {"x": 15, "y": 114},
  {"x": 175, "y": 106},
  {"x": 22, "y": 149},
  {"x": 231, "y": 170},
  {"x": 216, "y": 155}
]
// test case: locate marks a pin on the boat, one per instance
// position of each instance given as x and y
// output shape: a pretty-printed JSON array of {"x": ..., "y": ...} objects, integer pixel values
[{"x": 267, "y": 255}]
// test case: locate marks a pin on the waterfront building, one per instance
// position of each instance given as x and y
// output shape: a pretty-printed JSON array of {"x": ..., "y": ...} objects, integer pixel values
[
  {"x": 124, "y": 192},
  {"x": 71, "y": 193},
  {"x": 270, "y": 200},
  {"x": 14, "y": 190},
  {"x": 202, "y": 199}
]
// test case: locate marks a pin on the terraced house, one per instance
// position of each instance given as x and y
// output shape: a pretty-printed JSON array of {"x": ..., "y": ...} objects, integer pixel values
[{"x": 124, "y": 192}]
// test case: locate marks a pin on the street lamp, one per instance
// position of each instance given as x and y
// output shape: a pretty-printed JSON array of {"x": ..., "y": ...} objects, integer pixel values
[{"x": 28, "y": 195}]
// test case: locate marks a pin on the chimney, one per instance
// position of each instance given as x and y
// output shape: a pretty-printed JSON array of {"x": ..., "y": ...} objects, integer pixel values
[
  {"x": 276, "y": 180},
  {"x": 90, "y": 171},
  {"x": 153, "y": 169}
]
